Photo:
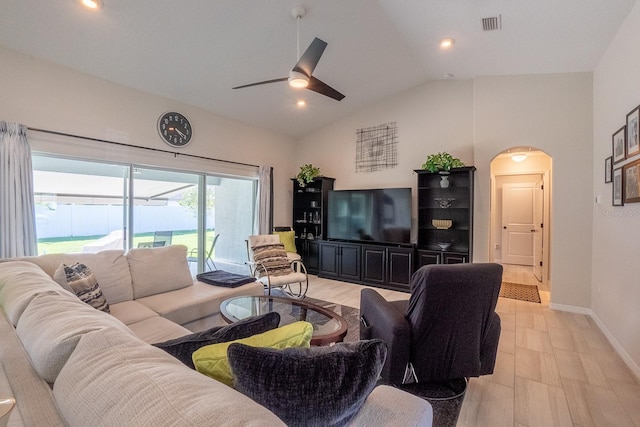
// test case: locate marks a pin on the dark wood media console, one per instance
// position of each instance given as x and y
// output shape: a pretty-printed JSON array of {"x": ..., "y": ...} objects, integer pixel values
[{"x": 381, "y": 265}]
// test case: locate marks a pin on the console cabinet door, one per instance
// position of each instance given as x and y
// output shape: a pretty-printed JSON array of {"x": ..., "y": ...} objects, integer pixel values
[
  {"x": 429, "y": 257},
  {"x": 328, "y": 260},
  {"x": 450, "y": 258},
  {"x": 374, "y": 263},
  {"x": 312, "y": 254},
  {"x": 349, "y": 262},
  {"x": 400, "y": 267}
]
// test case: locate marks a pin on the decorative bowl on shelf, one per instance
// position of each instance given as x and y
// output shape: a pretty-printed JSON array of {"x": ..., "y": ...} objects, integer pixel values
[
  {"x": 444, "y": 202},
  {"x": 442, "y": 224},
  {"x": 445, "y": 245}
]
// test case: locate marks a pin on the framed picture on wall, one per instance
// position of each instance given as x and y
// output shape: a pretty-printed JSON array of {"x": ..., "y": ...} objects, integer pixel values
[
  {"x": 619, "y": 144},
  {"x": 631, "y": 174},
  {"x": 608, "y": 169},
  {"x": 633, "y": 123},
  {"x": 617, "y": 187}
]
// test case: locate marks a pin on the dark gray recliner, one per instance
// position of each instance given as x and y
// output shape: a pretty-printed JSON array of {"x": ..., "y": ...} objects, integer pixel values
[{"x": 448, "y": 330}]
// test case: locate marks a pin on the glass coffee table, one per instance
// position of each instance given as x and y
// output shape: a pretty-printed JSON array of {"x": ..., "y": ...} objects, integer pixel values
[{"x": 328, "y": 326}]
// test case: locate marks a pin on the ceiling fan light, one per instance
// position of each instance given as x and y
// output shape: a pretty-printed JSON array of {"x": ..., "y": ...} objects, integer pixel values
[{"x": 298, "y": 80}]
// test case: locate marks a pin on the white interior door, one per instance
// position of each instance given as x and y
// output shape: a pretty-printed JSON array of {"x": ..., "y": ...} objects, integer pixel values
[
  {"x": 518, "y": 223},
  {"x": 538, "y": 239}
]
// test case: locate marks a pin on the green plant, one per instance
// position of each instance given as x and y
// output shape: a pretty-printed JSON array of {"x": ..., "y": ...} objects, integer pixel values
[
  {"x": 441, "y": 162},
  {"x": 307, "y": 174}
]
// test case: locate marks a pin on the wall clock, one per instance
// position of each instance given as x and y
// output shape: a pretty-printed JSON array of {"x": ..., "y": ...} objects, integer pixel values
[{"x": 174, "y": 129}]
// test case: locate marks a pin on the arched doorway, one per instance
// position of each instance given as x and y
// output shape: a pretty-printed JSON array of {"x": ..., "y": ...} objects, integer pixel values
[{"x": 520, "y": 215}]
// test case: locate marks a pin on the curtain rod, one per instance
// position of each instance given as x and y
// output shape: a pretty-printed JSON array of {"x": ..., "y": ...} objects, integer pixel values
[{"x": 53, "y": 132}]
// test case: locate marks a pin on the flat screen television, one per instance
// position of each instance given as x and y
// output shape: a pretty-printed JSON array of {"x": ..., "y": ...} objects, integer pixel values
[{"x": 377, "y": 215}]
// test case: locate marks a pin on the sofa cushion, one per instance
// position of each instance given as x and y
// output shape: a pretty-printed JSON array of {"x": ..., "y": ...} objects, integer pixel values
[
  {"x": 157, "y": 270},
  {"x": 20, "y": 282},
  {"x": 196, "y": 301},
  {"x": 212, "y": 360},
  {"x": 182, "y": 348},
  {"x": 18, "y": 379},
  {"x": 286, "y": 380},
  {"x": 110, "y": 268},
  {"x": 83, "y": 283},
  {"x": 157, "y": 329},
  {"x": 51, "y": 327},
  {"x": 129, "y": 312},
  {"x": 113, "y": 379}
]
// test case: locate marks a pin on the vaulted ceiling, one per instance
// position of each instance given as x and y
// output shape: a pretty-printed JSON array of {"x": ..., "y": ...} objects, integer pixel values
[{"x": 195, "y": 51}]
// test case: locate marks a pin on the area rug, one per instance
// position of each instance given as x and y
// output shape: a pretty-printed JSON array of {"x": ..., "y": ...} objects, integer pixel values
[{"x": 520, "y": 292}]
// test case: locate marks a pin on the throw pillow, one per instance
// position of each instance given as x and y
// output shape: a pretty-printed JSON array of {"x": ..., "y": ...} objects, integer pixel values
[
  {"x": 273, "y": 259},
  {"x": 182, "y": 348},
  {"x": 288, "y": 239},
  {"x": 60, "y": 277},
  {"x": 318, "y": 386},
  {"x": 83, "y": 283},
  {"x": 212, "y": 361}
]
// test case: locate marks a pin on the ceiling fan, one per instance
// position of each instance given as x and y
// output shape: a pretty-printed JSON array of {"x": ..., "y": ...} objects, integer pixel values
[{"x": 301, "y": 75}]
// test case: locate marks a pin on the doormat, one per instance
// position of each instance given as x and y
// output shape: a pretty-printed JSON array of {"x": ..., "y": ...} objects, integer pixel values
[{"x": 520, "y": 292}]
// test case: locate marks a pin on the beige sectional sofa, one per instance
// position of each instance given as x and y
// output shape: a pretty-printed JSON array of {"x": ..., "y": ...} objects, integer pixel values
[{"x": 69, "y": 364}]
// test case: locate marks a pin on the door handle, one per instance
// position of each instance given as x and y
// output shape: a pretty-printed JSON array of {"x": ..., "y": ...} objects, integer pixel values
[
  {"x": 533, "y": 231},
  {"x": 504, "y": 226}
]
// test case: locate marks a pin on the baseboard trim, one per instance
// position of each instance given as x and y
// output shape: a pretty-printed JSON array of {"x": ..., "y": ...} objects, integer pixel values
[
  {"x": 571, "y": 309},
  {"x": 631, "y": 364}
]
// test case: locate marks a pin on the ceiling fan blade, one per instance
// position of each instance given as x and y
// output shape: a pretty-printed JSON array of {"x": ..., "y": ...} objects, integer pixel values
[
  {"x": 324, "y": 89},
  {"x": 309, "y": 59},
  {"x": 283, "y": 79}
]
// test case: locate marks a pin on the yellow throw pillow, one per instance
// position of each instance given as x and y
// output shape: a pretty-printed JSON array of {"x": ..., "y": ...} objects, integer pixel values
[
  {"x": 212, "y": 361},
  {"x": 288, "y": 239}
]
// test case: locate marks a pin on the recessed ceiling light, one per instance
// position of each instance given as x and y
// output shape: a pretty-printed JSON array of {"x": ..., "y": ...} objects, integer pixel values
[
  {"x": 301, "y": 103},
  {"x": 93, "y": 4},
  {"x": 446, "y": 43},
  {"x": 519, "y": 157}
]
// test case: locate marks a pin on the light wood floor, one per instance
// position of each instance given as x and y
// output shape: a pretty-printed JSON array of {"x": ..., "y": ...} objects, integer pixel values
[{"x": 553, "y": 368}]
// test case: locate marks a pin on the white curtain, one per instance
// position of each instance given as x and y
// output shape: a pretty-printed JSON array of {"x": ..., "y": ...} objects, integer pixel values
[
  {"x": 264, "y": 216},
  {"x": 17, "y": 208}
]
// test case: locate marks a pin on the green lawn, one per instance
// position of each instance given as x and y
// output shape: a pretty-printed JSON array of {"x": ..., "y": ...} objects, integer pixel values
[{"x": 189, "y": 238}]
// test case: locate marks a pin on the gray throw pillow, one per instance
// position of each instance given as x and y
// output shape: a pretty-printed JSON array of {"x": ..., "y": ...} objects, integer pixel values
[
  {"x": 182, "y": 348},
  {"x": 80, "y": 280},
  {"x": 317, "y": 386}
]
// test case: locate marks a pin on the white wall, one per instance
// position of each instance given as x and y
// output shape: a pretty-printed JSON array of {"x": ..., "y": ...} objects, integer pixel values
[
  {"x": 43, "y": 95},
  {"x": 476, "y": 120},
  {"x": 552, "y": 112},
  {"x": 437, "y": 116},
  {"x": 615, "y": 262}
]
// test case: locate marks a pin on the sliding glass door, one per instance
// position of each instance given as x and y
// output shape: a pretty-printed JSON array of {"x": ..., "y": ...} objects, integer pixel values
[
  {"x": 88, "y": 206},
  {"x": 80, "y": 205}
]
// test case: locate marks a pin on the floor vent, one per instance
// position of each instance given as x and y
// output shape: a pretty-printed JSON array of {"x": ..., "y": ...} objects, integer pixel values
[{"x": 493, "y": 23}]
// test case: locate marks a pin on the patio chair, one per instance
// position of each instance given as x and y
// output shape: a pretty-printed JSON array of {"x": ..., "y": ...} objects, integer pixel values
[
  {"x": 193, "y": 255},
  {"x": 269, "y": 264},
  {"x": 162, "y": 236}
]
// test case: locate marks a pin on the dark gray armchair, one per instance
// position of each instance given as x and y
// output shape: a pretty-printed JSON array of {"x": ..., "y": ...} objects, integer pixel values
[{"x": 448, "y": 330}]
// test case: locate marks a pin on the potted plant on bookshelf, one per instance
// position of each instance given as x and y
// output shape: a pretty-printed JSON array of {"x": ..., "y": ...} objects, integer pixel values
[
  {"x": 307, "y": 174},
  {"x": 442, "y": 163}
]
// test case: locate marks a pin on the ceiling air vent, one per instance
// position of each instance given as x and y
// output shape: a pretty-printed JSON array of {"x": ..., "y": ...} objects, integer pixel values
[{"x": 493, "y": 23}]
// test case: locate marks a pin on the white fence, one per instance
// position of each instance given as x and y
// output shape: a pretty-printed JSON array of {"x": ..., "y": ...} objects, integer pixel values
[{"x": 96, "y": 220}]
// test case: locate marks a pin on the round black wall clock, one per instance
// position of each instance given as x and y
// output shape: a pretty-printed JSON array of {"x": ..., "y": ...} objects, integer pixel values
[{"x": 174, "y": 129}]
